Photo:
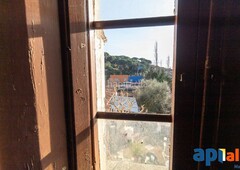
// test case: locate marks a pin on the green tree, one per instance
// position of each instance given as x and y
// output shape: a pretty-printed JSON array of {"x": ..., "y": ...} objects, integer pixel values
[
  {"x": 160, "y": 74},
  {"x": 155, "y": 96},
  {"x": 125, "y": 65}
]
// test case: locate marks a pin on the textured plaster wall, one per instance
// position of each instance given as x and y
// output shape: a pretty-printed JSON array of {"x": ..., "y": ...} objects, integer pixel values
[{"x": 32, "y": 120}]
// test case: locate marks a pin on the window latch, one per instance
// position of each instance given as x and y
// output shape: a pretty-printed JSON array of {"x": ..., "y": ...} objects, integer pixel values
[{"x": 181, "y": 77}]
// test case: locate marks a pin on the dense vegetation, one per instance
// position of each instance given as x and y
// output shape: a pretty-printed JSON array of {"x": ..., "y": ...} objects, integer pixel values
[
  {"x": 125, "y": 65},
  {"x": 135, "y": 66},
  {"x": 154, "y": 96}
]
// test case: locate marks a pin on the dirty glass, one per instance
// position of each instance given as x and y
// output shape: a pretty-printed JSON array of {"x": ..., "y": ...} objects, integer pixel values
[{"x": 134, "y": 145}]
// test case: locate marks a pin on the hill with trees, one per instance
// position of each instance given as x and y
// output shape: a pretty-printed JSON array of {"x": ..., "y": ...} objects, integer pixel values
[
  {"x": 116, "y": 65},
  {"x": 155, "y": 94},
  {"x": 125, "y": 65}
]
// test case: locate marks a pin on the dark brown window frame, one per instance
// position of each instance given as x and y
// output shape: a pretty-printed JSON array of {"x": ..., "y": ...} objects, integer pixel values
[
  {"x": 129, "y": 23},
  {"x": 78, "y": 79},
  {"x": 150, "y": 117},
  {"x": 138, "y": 23}
]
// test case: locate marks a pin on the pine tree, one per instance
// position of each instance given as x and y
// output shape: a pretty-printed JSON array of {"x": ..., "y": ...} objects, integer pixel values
[
  {"x": 156, "y": 53},
  {"x": 168, "y": 62}
]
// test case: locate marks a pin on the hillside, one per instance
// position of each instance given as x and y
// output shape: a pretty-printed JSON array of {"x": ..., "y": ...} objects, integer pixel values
[{"x": 135, "y": 66}]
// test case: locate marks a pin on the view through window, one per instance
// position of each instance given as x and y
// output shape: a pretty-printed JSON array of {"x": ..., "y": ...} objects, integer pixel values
[{"x": 134, "y": 73}]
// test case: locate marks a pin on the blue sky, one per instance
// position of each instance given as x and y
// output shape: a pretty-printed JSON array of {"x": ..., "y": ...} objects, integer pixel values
[{"x": 138, "y": 42}]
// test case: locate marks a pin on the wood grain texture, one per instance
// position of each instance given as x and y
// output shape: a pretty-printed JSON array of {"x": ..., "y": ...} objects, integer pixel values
[
  {"x": 188, "y": 91},
  {"x": 19, "y": 146},
  {"x": 80, "y": 73}
]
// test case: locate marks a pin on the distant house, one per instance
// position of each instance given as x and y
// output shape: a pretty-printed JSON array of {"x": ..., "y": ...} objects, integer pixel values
[
  {"x": 123, "y": 104},
  {"x": 118, "y": 78}
]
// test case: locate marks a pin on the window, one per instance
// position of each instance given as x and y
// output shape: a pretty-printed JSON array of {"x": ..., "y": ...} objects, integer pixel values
[
  {"x": 82, "y": 114},
  {"x": 134, "y": 58}
]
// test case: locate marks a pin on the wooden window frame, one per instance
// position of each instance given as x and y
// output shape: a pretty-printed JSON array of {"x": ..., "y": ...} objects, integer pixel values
[
  {"x": 79, "y": 84},
  {"x": 150, "y": 117},
  {"x": 130, "y": 23}
]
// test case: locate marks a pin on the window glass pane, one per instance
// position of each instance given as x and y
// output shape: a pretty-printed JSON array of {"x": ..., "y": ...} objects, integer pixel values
[
  {"x": 134, "y": 69},
  {"x": 134, "y": 145},
  {"x": 126, "y": 9}
]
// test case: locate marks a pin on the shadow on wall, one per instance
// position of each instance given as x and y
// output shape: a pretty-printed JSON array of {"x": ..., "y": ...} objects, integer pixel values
[
  {"x": 46, "y": 70},
  {"x": 19, "y": 147}
]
